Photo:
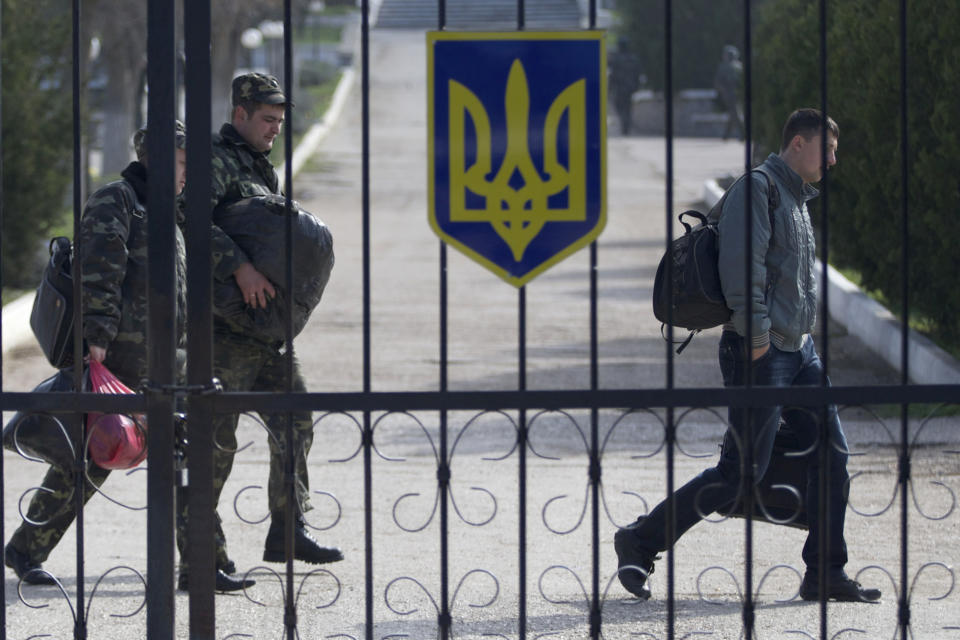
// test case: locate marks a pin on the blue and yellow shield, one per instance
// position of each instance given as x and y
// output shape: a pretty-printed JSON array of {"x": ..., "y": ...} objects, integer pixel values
[{"x": 517, "y": 160}]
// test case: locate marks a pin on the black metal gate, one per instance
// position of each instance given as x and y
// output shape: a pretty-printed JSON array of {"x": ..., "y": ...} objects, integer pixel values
[{"x": 593, "y": 412}]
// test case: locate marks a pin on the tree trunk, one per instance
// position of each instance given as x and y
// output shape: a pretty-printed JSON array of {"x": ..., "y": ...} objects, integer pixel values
[{"x": 119, "y": 121}]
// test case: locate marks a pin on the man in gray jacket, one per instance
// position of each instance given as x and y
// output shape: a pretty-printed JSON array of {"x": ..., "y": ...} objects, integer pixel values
[{"x": 780, "y": 300}]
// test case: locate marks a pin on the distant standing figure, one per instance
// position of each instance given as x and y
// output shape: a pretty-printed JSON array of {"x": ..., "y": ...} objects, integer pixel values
[
  {"x": 727, "y": 83},
  {"x": 625, "y": 71}
]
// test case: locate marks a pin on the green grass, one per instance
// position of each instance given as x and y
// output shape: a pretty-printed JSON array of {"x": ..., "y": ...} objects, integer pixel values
[
  {"x": 338, "y": 8},
  {"x": 9, "y": 295},
  {"x": 320, "y": 34}
]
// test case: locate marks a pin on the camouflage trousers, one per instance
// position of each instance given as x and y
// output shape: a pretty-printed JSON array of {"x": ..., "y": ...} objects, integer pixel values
[
  {"x": 52, "y": 511},
  {"x": 244, "y": 364}
]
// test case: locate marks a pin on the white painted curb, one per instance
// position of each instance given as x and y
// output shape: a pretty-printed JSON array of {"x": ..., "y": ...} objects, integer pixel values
[
  {"x": 16, "y": 322},
  {"x": 315, "y": 135},
  {"x": 876, "y": 327}
]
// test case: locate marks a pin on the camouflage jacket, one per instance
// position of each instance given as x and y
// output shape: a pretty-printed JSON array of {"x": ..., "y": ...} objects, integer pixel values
[
  {"x": 112, "y": 251},
  {"x": 239, "y": 171}
]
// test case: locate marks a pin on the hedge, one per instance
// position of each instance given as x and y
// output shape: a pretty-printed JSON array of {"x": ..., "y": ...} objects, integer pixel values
[
  {"x": 863, "y": 95},
  {"x": 37, "y": 138}
]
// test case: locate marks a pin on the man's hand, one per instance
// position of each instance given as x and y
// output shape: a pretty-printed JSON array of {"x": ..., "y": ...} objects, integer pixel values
[
  {"x": 758, "y": 352},
  {"x": 97, "y": 353},
  {"x": 256, "y": 288}
]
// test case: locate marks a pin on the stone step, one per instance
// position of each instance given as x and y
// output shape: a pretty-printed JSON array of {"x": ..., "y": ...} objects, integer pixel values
[{"x": 479, "y": 14}]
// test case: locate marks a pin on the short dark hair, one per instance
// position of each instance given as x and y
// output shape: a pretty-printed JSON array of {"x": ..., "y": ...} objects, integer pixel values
[
  {"x": 250, "y": 106},
  {"x": 807, "y": 123}
]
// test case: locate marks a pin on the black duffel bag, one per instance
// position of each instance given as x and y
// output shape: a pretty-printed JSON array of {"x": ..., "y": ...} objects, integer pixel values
[
  {"x": 259, "y": 226},
  {"x": 779, "y": 499},
  {"x": 42, "y": 435}
]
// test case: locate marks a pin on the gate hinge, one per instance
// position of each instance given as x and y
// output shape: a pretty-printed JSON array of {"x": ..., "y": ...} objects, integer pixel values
[
  {"x": 179, "y": 390},
  {"x": 596, "y": 470}
]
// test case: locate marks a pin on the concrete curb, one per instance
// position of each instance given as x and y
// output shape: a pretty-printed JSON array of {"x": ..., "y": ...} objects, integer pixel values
[
  {"x": 16, "y": 314},
  {"x": 315, "y": 135},
  {"x": 876, "y": 327}
]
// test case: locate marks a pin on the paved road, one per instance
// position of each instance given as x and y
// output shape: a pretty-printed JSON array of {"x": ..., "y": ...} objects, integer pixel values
[{"x": 484, "y": 560}]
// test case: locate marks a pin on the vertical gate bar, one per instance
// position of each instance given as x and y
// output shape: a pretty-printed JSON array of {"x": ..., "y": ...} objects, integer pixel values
[
  {"x": 365, "y": 259},
  {"x": 78, "y": 187},
  {"x": 522, "y": 451},
  {"x": 824, "y": 351},
  {"x": 522, "y": 431},
  {"x": 3, "y": 503},
  {"x": 670, "y": 429},
  {"x": 903, "y": 613},
  {"x": 444, "y": 485},
  {"x": 596, "y": 469},
  {"x": 161, "y": 302},
  {"x": 904, "y": 200},
  {"x": 823, "y": 541},
  {"x": 747, "y": 481},
  {"x": 200, "y": 551},
  {"x": 76, "y": 420},
  {"x": 291, "y": 508}
]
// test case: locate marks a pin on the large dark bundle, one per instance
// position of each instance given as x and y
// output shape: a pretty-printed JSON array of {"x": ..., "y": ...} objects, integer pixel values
[{"x": 259, "y": 226}]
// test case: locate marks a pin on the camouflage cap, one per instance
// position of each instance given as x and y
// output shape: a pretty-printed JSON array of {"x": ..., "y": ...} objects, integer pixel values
[
  {"x": 258, "y": 87},
  {"x": 140, "y": 139}
]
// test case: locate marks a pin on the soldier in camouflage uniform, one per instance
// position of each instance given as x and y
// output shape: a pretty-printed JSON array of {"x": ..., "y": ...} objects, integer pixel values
[
  {"x": 112, "y": 250},
  {"x": 245, "y": 362}
]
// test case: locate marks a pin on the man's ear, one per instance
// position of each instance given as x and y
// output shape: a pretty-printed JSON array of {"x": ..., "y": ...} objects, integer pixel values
[
  {"x": 239, "y": 113},
  {"x": 797, "y": 142}
]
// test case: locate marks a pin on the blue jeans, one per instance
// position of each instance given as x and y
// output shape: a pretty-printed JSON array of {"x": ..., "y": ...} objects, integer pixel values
[{"x": 719, "y": 486}]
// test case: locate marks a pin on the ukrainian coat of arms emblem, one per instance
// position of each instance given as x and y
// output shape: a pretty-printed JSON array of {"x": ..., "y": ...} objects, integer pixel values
[{"x": 517, "y": 146}]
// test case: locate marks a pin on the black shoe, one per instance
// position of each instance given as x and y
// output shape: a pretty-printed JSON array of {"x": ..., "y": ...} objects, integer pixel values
[
  {"x": 305, "y": 547},
  {"x": 634, "y": 564},
  {"x": 228, "y": 567},
  {"x": 841, "y": 589},
  {"x": 222, "y": 583},
  {"x": 26, "y": 569}
]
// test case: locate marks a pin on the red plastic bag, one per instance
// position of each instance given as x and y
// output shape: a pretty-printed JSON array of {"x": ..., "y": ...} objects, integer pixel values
[{"x": 116, "y": 441}]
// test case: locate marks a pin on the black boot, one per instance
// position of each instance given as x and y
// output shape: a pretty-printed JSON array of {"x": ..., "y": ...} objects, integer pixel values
[
  {"x": 305, "y": 547},
  {"x": 222, "y": 583},
  {"x": 840, "y": 588},
  {"x": 634, "y": 564},
  {"x": 26, "y": 569}
]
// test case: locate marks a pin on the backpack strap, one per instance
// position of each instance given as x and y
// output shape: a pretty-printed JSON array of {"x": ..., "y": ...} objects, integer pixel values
[
  {"x": 773, "y": 197},
  {"x": 139, "y": 209}
]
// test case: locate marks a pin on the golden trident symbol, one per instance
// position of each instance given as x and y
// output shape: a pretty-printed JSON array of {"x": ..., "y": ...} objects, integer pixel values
[{"x": 518, "y": 215}]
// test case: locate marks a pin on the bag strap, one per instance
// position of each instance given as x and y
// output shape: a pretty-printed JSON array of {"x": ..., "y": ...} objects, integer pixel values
[
  {"x": 683, "y": 343},
  {"x": 139, "y": 209},
  {"x": 773, "y": 197}
]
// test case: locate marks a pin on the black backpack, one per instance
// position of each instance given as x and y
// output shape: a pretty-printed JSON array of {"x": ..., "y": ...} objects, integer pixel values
[
  {"x": 52, "y": 315},
  {"x": 696, "y": 297}
]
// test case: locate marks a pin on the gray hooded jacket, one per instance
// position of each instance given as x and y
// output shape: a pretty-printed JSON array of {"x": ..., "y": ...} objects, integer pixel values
[{"x": 782, "y": 294}]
